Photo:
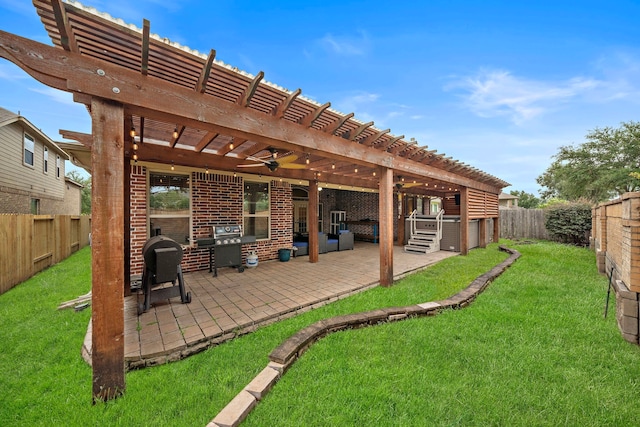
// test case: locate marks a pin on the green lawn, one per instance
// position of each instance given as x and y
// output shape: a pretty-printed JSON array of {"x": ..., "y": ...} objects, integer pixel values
[{"x": 533, "y": 349}]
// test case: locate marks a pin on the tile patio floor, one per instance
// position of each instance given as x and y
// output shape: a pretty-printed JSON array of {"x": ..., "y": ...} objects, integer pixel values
[{"x": 236, "y": 303}]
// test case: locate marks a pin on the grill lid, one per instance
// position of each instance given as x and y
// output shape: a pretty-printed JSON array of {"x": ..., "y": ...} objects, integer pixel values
[{"x": 159, "y": 242}]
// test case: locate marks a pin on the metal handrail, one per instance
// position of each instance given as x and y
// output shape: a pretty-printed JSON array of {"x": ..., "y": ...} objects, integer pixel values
[{"x": 439, "y": 218}]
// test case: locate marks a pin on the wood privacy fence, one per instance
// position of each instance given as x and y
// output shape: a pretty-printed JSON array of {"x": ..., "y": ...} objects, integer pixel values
[
  {"x": 522, "y": 224},
  {"x": 31, "y": 243}
]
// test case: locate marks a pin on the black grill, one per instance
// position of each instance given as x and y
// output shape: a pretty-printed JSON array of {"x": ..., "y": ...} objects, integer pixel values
[
  {"x": 225, "y": 247},
  {"x": 162, "y": 257}
]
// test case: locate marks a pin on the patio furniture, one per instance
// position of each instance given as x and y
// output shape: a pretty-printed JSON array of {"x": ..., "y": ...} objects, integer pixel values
[
  {"x": 162, "y": 257},
  {"x": 302, "y": 243},
  {"x": 345, "y": 240}
]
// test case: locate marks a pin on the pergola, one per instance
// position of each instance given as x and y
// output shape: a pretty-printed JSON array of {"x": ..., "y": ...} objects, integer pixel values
[{"x": 152, "y": 100}]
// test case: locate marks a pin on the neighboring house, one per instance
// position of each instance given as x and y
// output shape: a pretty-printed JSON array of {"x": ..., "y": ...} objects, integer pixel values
[
  {"x": 32, "y": 174},
  {"x": 507, "y": 201}
]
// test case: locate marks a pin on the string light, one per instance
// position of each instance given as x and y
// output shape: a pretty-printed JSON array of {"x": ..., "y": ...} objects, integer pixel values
[
  {"x": 206, "y": 169},
  {"x": 356, "y": 170},
  {"x": 135, "y": 146},
  {"x": 231, "y": 146},
  {"x": 132, "y": 132},
  {"x": 307, "y": 159},
  {"x": 175, "y": 133},
  {"x": 333, "y": 165},
  {"x": 172, "y": 167}
]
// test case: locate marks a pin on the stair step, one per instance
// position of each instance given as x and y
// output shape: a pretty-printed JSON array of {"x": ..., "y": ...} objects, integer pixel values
[
  {"x": 426, "y": 231},
  {"x": 421, "y": 242}
]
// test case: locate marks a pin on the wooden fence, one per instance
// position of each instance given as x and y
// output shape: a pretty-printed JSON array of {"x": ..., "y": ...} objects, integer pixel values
[
  {"x": 522, "y": 224},
  {"x": 31, "y": 243}
]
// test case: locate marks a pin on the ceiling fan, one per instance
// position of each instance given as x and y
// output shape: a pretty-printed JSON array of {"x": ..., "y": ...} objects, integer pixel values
[
  {"x": 402, "y": 184},
  {"x": 273, "y": 162}
]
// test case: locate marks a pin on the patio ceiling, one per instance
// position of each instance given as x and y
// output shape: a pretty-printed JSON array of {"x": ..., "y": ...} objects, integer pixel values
[{"x": 325, "y": 145}]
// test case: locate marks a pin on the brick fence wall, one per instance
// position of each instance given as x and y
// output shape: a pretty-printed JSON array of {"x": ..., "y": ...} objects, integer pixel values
[{"x": 616, "y": 240}]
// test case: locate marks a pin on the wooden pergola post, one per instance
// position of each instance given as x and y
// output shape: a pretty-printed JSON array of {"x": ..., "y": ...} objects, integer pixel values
[
  {"x": 482, "y": 231},
  {"x": 107, "y": 263},
  {"x": 386, "y": 201},
  {"x": 312, "y": 210},
  {"x": 496, "y": 229},
  {"x": 464, "y": 220}
]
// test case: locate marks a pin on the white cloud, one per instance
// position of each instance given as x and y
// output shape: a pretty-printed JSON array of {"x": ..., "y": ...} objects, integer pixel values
[
  {"x": 55, "y": 95},
  {"x": 346, "y": 45},
  {"x": 496, "y": 93}
]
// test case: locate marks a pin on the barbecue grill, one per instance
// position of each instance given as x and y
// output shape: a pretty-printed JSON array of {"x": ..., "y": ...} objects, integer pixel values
[
  {"x": 162, "y": 257},
  {"x": 225, "y": 247}
]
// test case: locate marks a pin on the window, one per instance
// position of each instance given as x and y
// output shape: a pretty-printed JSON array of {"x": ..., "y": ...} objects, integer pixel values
[
  {"x": 256, "y": 209},
  {"x": 170, "y": 206},
  {"x": 58, "y": 166},
  {"x": 35, "y": 206},
  {"x": 45, "y": 160},
  {"x": 435, "y": 206},
  {"x": 29, "y": 149}
]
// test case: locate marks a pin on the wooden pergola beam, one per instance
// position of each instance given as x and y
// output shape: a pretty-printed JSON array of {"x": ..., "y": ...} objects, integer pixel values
[
  {"x": 352, "y": 135},
  {"x": 330, "y": 129},
  {"x": 67, "y": 38},
  {"x": 146, "y": 30},
  {"x": 308, "y": 120},
  {"x": 280, "y": 111},
  {"x": 245, "y": 99},
  {"x": 205, "y": 141},
  {"x": 201, "y": 86},
  {"x": 371, "y": 139}
]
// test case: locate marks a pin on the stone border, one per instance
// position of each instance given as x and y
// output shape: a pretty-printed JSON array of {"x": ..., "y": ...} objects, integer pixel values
[{"x": 289, "y": 351}]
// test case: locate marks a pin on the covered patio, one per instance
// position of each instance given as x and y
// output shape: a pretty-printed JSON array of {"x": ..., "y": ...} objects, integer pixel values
[
  {"x": 235, "y": 303},
  {"x": 161, "y": 112}
]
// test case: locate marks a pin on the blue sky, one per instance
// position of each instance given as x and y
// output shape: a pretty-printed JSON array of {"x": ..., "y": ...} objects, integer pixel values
[{"x": 499, "y": 85}]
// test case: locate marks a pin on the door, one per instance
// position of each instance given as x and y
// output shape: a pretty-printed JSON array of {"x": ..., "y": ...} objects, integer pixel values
[{"x": 300, "y": 216}]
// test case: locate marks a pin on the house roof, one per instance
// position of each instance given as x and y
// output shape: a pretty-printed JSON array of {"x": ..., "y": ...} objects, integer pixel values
[
  {"x": 8, "y": 117},
  {"x": 231, "y": 118},
  {"x": 505, "y": 196}
]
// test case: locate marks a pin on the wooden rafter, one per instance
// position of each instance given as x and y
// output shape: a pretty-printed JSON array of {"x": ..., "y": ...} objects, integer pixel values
[
  {"x": 201, "y": 86},
  {"x": 235, "y": 142},
  {"x": 330, "y": 129},
  {"x": 282, "y": 108},
  {"x": 250, "y": 90},
  {"x": 174, "y": 138},
  {"x": 146, "y": 29},
  {"x": 352, "y": 135},
  {"x": 371, "y": 139},
  {"x": 390, "y": 142},
  {"x": 308, "y": 120},
  {"x": 67, "y": 38},
  {"x": 205, "y": 141}
]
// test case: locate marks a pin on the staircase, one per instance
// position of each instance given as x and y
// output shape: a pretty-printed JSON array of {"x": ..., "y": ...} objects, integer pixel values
[{"x": 424, "y": 240}]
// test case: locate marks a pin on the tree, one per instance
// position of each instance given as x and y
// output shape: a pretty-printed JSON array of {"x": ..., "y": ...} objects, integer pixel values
[
  {"x": 85, "y": 193},
  {"x": 526, "y": 200},
  {"x": 605, "y": 166}
]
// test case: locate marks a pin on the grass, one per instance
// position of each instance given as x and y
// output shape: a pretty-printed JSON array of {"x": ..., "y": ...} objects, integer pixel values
[{"x": 533, "y": 349}]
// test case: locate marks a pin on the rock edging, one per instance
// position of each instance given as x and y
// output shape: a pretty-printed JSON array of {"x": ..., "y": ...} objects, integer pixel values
[{"x": 283, "y": 356}]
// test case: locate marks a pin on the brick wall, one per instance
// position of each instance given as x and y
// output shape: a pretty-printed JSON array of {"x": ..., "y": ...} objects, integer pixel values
[
  {"x": 216, "y": 200},
  {"x": 616, "y": 239}
]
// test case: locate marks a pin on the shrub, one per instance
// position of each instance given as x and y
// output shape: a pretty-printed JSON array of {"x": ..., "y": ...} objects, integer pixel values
[{"x": 569, "y": 222}]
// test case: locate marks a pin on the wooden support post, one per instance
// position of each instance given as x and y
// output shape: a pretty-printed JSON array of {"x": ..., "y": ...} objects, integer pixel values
[
  {"x": 402, "y": 201},
  {"x": 482, "y": 233},
  {"x": 464, "y": 220},
  {"x": 107, "y": 263},
  {"x": 496, "y": 229},
  {"x": 386, "y": 227},
  {"x": 313, "y": 221}
]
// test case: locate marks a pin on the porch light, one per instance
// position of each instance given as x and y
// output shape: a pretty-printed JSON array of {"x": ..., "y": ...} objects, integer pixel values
[{"x": 175, "y": 132}]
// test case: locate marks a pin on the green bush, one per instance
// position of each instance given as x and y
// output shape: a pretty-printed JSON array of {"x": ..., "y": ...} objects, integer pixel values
[{"x": 569, "y": 222}]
